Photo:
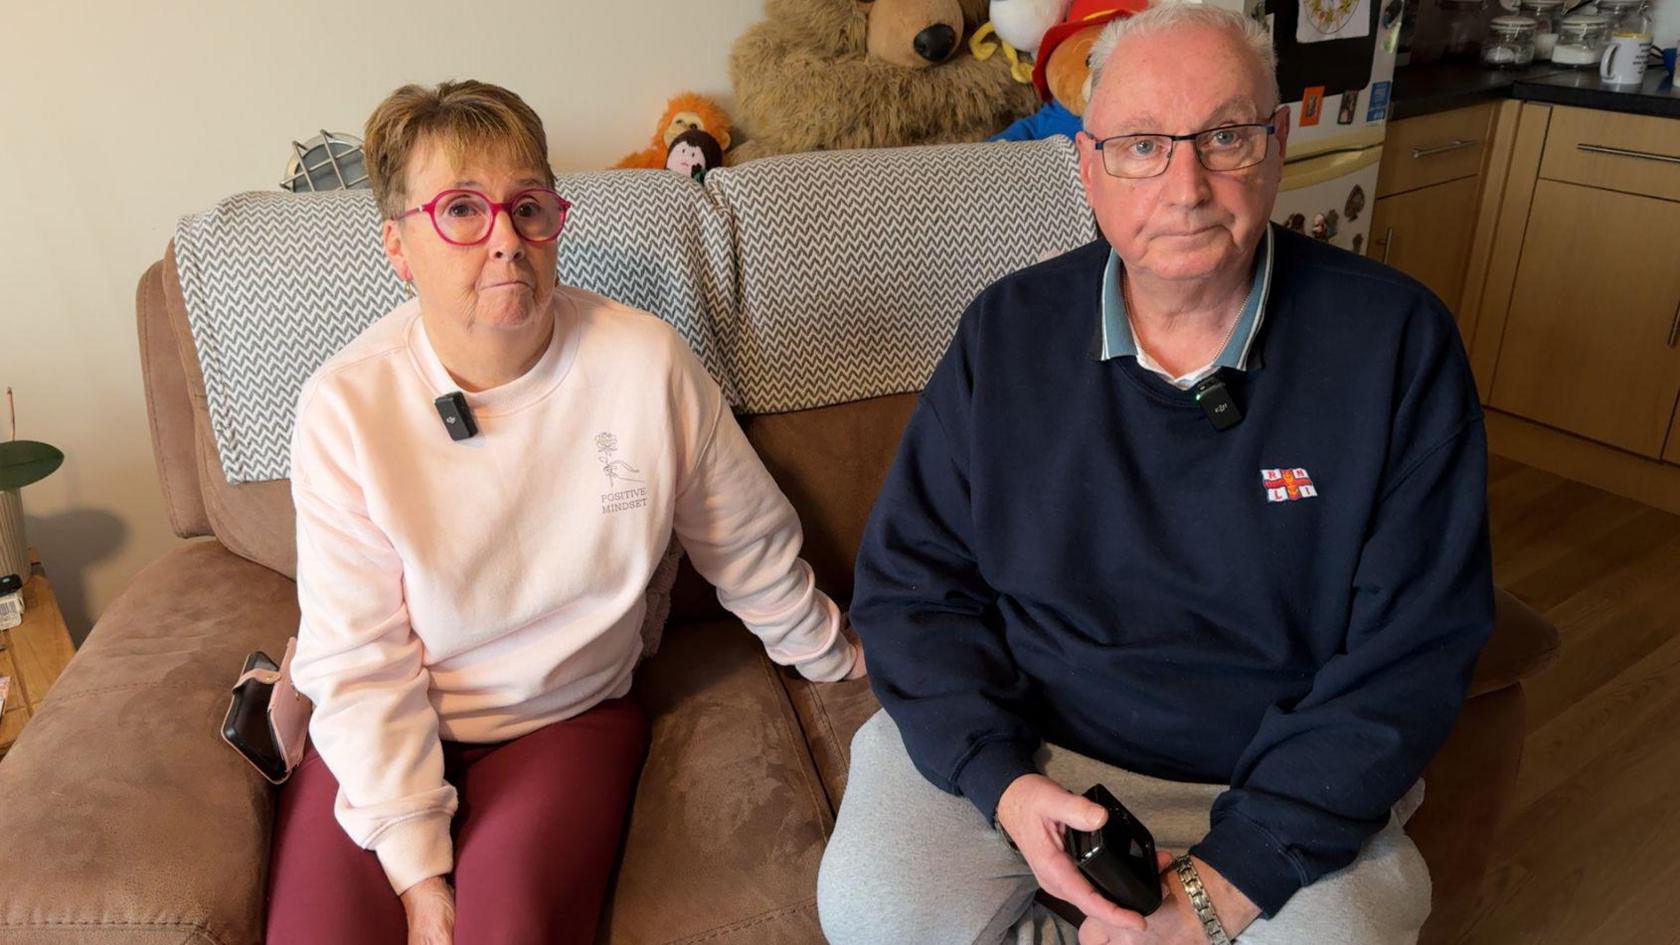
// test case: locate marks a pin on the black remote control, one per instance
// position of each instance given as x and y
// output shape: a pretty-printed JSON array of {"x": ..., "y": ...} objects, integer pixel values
[{"x": 1119, "y": 857}]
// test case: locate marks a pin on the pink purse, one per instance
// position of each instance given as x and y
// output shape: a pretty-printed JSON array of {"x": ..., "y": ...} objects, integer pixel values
[{"x": 267, "y": 720}]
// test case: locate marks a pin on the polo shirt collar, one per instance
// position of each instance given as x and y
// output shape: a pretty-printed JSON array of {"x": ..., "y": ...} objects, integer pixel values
[{"x": 1115, "y": 338}]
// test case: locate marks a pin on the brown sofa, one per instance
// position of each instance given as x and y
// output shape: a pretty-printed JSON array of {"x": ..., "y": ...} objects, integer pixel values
[{"x": 123, "y": 818}]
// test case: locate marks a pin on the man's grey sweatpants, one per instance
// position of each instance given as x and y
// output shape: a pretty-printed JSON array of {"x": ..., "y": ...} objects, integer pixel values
[{"x": 912, "y": 865}]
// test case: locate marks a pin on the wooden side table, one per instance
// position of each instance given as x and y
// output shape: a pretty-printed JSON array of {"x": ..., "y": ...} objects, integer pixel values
[{"x": 33, "y": 653}]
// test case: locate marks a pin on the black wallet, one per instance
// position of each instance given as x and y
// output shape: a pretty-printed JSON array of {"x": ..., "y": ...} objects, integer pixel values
[
  {"x": 246, "y": 725},
  {"x": 1118, "y": 858}
]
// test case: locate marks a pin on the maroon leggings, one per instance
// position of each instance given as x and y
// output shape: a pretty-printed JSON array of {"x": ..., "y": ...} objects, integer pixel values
[{"x": 536, "y": 835}]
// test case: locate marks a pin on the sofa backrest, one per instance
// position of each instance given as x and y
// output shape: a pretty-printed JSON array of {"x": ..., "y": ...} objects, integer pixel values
[
  {"x": 820, "y": 289},
  {"x": 855, "y": 265}
]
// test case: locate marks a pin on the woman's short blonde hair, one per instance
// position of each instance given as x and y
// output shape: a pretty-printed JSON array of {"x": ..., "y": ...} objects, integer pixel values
[{"x": 463, "y": 118}]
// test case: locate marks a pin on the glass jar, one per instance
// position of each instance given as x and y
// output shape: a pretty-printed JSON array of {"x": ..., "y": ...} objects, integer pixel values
[
  {"x": 1461, "y": 22},
  {"x": 1546, "y": 15},
  {"x": 1581, "y": 40},
  {"x": 1624, "y": 14},
  {"x": 1510, "y": 42}
]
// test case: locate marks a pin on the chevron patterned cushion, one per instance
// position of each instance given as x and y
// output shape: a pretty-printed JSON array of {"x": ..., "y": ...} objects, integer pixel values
[
  {"x": 855, "y": 265},
  {"x": 275, "y": 283},
  {"x": 801, "y": 281}
]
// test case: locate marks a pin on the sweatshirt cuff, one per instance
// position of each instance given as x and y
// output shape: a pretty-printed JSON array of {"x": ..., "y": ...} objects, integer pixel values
[
  {"x": 989, "y": 771},
  {"x": 1251, "y": 859},
  {"x": 415, "y": 849},
  {"x": 832, "y": 664}
]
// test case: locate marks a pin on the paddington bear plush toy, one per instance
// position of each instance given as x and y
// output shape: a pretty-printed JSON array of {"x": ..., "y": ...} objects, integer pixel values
[{"x": 1062, "y": 69}]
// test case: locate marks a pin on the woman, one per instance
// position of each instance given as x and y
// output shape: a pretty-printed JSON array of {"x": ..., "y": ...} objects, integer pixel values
[{"x": 472, "y": 604}]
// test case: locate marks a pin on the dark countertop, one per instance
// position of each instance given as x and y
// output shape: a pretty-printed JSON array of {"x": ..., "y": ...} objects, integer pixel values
[
  {"x": 1579, "y": 87},
  {"x": 1441, "y": 86}
]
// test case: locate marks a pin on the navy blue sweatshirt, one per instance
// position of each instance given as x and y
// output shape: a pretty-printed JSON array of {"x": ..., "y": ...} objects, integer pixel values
[{"x": 1066, "y": 550}]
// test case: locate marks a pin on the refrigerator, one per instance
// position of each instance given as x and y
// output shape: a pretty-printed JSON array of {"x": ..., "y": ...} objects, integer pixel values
[{"x": 1336, "y": 74}]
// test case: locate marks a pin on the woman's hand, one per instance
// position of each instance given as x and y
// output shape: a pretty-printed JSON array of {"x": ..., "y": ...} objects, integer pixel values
[
  {"x": 859, "y": 669},
  {"x": 430, "y": 905}
]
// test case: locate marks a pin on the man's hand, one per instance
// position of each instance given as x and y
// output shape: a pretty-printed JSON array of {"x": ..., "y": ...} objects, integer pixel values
[
  {"x": 1175, "y": 922},
  {"x": 430, "y": 905},
  {"x": 1034, "y": 810}
]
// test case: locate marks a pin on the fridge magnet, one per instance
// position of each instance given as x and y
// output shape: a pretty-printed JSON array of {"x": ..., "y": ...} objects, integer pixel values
[
  {"x": 1355, "y": 203},
  {"x": 1312, "y": 102},
  {"x": 1390, "y": 24},
  {"x": 1324, "y": 20},
  {"x": 1359, "y": 243},
  {"x": 1379, "y": 101},
  {"x": 1296, "y": 222},
  {"x": 1350, "y": 107},
  {"x": 1320, "y": 228},
  {"x": 1332, "y": 219}
]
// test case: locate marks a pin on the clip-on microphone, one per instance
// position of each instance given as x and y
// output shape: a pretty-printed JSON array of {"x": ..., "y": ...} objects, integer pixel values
[
  {"x": 1217, "y": 403},
  {"x": 456, "y": 415}
]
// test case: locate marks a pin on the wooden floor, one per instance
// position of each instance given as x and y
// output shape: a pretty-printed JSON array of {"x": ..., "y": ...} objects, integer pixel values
[{"x": 1590, "y": 852}]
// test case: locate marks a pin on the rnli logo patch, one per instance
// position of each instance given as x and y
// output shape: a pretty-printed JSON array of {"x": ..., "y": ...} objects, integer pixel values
[{"x": 1287, "y": 485}]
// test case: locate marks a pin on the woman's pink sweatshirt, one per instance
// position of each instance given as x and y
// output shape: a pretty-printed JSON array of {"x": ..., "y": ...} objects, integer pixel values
[{"x": 475, "y": 591}]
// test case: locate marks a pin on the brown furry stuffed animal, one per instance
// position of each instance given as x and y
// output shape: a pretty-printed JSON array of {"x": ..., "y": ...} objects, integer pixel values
[
  {"x": 831, "y": 74},
  {"x": 685, "y": 112}
]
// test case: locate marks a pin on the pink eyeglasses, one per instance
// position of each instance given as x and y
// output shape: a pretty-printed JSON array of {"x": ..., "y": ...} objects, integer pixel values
[{"x": 466, "y": 217}]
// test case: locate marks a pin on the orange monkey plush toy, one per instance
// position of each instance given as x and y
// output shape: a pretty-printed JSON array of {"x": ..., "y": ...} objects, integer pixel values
[{"x": 686, "y": 112}]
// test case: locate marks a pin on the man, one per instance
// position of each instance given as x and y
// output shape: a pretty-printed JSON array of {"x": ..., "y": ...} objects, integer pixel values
[{"x": 1080, "y": 570}]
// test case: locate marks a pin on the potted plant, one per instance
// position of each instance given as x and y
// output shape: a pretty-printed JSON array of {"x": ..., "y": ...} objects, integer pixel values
[{"x": 22, "y": 463}]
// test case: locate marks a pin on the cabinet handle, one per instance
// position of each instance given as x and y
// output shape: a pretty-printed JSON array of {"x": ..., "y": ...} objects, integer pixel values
[
  {"x": 1674, "y": 328},
  {"x": 1387, "y": 243},
  {"x": 1456, "y": 144},
  {"x": 1624, "y": 152}
]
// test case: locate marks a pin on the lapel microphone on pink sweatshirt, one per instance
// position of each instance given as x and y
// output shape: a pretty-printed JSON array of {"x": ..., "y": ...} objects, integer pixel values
[{"x": 456, "y": 415}]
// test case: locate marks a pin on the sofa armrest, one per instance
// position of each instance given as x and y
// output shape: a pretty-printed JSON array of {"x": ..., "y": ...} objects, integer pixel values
[
  {"x": 123, "y": 817},
  {"x": 169, "y": 406},
  {"x": 1523, "y": 643}
]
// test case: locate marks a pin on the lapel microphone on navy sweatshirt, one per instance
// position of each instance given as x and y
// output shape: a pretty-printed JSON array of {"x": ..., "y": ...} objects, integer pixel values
[
  {"x": 456, "y": 415},
  {"x": 1217, "y": 403}
]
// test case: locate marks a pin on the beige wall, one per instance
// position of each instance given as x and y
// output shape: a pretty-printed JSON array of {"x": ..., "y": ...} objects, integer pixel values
[{"x": 116, "y": 118}]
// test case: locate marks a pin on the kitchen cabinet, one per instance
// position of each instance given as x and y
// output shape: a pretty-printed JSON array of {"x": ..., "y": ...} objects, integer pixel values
[
  {"x": 1429, "y": 188},
  {"x": 1636, "y": 154},
  {"x": 1577, "y": 348},
  {"x": 1434, "y": 149},
  {"x": 1672, "y": 454},
  {"x": 1588, "y": 335},
  {"x": 1426, "y": 233}
]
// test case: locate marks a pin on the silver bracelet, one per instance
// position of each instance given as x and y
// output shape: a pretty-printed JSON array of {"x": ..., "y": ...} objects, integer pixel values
[{"x": 1200, "y": 902}]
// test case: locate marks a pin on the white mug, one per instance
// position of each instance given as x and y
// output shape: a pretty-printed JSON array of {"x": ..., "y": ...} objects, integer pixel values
[{"x": 1624, "y": 59}]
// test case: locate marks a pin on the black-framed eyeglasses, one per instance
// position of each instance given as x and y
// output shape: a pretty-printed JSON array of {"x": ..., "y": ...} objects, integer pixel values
[
  {"x": 1225, "y": 148},
  {"x": 466, "y": 217}
]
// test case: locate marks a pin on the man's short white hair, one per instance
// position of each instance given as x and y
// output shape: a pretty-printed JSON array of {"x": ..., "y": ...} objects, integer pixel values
[{"x": 1172, "y": 14}]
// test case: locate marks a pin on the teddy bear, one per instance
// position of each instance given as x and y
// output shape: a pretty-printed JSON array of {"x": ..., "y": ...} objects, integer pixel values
[
  {"x": 1062, "y": 69},
  {"x": 832, "y": 74}
]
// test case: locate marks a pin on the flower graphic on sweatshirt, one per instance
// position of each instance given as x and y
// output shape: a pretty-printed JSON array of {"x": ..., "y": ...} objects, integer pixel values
[{"x": 617, "y": 470}]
